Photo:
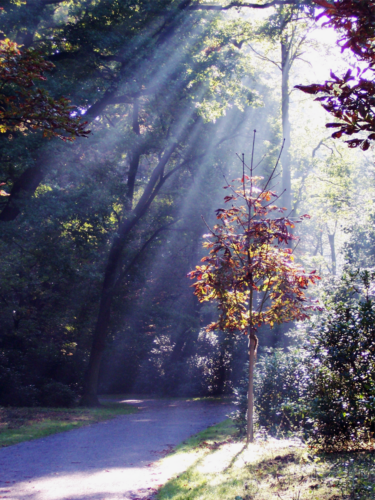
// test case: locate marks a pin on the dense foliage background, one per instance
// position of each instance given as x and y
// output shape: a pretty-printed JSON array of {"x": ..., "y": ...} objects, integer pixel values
[{"x": 98, "y": 234}]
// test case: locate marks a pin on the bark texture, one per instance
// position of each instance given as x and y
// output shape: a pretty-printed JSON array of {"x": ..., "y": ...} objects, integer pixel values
[
  {"x": 253, "y": 342},
  {"x": 286, "y": 159}
]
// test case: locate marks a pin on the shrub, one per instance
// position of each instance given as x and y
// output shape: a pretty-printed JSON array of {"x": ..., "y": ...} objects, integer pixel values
[
  {"x": 326, "y": 387},
  {"x": 342, "y": 367},
  {"x": 13, "y": 391},
  {"x": 55, "y": 395},
  {"x": 279, "y": 390}
]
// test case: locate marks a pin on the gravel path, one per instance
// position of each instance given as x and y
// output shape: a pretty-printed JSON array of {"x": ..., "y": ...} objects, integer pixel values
[{"x": 106, "y": 461}]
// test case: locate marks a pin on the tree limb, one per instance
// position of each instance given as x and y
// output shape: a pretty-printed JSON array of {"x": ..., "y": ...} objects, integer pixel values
[
  {"x": 240, "y": 4},
  {"x": 141, "y": 250}
]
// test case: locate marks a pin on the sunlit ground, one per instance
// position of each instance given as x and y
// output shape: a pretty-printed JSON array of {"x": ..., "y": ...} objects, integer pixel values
[
  {"x": 212, "y": 465},
  {"x": 111, "y": 460},
  {"x": 112, "y": 483},
  {"x": 267, "y": 470}
]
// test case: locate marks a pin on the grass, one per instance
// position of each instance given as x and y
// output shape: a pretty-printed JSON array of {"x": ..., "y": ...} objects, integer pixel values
[
  {"x": 124, "y": 396},
  {"x": 223, "y": 468},
  {"x": 24, "y": 424}
]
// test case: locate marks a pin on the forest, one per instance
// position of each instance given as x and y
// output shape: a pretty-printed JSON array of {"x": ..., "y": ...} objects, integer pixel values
[{"x": 125, "y": 265}]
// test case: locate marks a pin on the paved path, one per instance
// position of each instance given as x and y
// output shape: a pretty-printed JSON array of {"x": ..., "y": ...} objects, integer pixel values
[{"x": 106, "y": 461}]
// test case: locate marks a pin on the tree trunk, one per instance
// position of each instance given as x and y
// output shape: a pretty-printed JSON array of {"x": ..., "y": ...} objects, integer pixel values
[
  {"x": 135, "y": 156},
  {"x": 89, "y": 397},
  {"x": 285, "y": 159},
  {"x": 331, "y": 239},
  {"x": 250, "y": 393},
  {"x": 24, "y": 187},
  {"x": 221, "y": 373}
]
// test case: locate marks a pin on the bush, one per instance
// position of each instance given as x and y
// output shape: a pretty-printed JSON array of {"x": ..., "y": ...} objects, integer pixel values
[
  {"x": 55, "y": 395},
  {"x": 36, "y": 373},
  {"x": 342, "y": 367},
  {"x": 326, "y": 387},
  {"x": 279, "y": 392},
  {"x": 13, "y": 392}
]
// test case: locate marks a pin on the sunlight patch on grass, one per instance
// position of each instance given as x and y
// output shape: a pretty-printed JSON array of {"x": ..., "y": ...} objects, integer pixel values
[
  {"x": 218, "y": 433},
  {"x": 220, "y": 459},
  {"x": 221, "y": 467}
]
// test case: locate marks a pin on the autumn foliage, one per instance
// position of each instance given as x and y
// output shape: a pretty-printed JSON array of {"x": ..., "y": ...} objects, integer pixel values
[
  {"x": 250, "y": 269},
  {"x": 351, "y": 98},
  {"x": 24, "y": 106}
]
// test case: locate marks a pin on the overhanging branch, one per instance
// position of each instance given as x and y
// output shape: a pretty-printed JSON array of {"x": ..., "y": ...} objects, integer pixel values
[{"x": 266, "y": 5}]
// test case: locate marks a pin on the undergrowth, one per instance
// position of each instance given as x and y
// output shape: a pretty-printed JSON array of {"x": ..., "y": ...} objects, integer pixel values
[{"x": 270, "y": 469}]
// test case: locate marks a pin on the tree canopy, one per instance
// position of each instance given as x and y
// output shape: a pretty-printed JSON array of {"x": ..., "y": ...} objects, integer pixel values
[{"x": 99, "y": 229}]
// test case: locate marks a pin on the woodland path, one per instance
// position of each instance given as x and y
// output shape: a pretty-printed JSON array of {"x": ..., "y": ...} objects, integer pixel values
[{"x": 111, "y": 460}]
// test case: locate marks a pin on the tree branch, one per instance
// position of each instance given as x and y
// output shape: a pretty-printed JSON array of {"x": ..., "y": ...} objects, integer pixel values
[
  {"x": 141, "y": 250},
  {"x": 266, "y": 5},
  {"x": 264, "y": 58}
]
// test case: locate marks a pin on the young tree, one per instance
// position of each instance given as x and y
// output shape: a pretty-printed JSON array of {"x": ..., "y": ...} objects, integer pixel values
[
  {"x": 250, "y": 270},
  {"x": 350, "y": 98}
]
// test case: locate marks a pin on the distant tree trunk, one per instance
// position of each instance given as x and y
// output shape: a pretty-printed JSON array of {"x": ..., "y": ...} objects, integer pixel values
[
  {"x": 331, "y": 239},
  {"x": 135, "y": 156},
  {"x": 157, "y": 179},
  {"x": 253, "y": 341},
  {"x": 221, "y": 373},
  {"x": 178, "y": 348},
  {"x": 286, "y": 159},
  {"x": 90, "y": 397}
]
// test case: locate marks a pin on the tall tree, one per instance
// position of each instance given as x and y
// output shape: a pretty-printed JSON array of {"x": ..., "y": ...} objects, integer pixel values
[
  {"x": 162, "y": 98},
  {"x": 288, "y": 27}
]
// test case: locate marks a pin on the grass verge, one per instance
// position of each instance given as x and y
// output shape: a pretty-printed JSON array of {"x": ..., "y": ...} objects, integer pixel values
[
  {"x": 223, "y": 468},
  {"x": 24, "y": 424}
]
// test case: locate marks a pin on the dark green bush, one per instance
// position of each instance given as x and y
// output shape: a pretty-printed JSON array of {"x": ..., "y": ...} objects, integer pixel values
[
  {"x": 327, "y": 386},
  {"x": 342, "y": 371},
  {"x": 57, "y": 395},
  {"x": 279, "y": 391},
  {"x": 26, "y": 378}
]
